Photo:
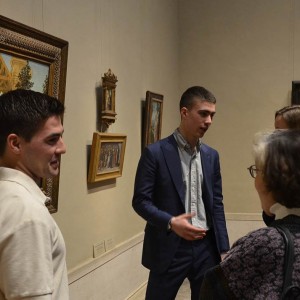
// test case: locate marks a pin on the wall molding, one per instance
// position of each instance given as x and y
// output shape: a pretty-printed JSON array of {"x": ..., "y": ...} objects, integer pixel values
[
  {"x": 244, "y": 216},
  {"x": 92, "y": 264},
  {"x": 116, "y": 274}
]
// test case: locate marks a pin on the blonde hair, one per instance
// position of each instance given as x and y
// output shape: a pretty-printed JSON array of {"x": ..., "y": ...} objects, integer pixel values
[{"x": 291, "y": 116}]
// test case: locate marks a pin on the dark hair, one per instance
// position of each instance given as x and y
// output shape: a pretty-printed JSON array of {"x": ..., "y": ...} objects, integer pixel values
[
  {"x": 188, "y": 97},
  {"x": 291, "y": 115},
  {"x": 23, "y": 111},
  {"x": 278, "y": 155}
]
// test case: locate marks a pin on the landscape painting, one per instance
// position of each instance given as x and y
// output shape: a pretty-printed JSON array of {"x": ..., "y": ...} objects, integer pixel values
[{"x": 20, "y": 73}]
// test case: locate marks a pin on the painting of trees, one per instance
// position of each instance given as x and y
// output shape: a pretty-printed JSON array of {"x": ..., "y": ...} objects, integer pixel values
[{"x": 25, "y": 78}]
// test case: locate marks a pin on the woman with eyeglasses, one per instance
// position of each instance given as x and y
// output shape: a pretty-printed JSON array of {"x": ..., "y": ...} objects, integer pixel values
[{"x": 254, "y": 266}]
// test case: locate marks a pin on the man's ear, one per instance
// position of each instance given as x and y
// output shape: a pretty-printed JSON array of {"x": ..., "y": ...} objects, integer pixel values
[
  {"x": 13, "y": 143},
  {"x": 183, "y": 111}
]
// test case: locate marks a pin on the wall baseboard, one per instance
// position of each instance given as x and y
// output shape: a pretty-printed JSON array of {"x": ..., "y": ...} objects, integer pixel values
[
  {"x": 118, "y": 274},
  {"x": 139, "y": 293},
  {"x": 113, "y": 275},
  {"x": 243, "y": 216}
]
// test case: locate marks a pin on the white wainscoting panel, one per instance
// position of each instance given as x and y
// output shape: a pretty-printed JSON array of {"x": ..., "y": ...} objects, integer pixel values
[{"x": 115, "y": 275}]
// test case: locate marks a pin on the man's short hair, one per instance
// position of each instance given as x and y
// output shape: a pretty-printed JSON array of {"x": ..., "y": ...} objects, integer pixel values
[
  {"x": 199, "y": 92},
  {"x": 23, "y": 112}
]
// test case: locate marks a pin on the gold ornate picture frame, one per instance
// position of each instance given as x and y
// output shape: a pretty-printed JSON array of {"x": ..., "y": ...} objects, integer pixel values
[
  {"x": 107, "y": 156},
  {"x": 32, "y": 59}
]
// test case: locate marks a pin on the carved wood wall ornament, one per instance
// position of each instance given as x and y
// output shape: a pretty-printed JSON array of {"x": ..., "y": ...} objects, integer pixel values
[{"x": 108, "y": 107}]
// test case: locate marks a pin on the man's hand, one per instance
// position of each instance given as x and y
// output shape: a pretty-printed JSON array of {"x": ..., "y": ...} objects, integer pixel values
[{"x": 182, "y": 227}]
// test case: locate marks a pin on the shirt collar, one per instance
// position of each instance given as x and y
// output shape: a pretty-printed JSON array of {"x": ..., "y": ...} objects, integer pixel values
[
  {"x": 21, "y": 178},
  {"x": 183, "y": 144},
  {"x": 281, "y": 211}
]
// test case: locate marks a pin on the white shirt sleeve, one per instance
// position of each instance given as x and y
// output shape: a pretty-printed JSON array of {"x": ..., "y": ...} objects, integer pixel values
[{"x": 26, "y": 262}]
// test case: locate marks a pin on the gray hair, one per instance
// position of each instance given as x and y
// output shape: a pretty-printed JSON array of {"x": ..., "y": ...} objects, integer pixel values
[{"x": 277, "y": 156}]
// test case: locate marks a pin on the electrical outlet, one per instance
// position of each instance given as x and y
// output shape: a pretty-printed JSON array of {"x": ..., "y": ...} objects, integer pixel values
[
  {"x": 109, "y": 244},
  {"x": 99, "y": 248}
]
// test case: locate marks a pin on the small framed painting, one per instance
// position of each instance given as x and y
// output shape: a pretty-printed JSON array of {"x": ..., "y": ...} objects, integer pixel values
[
  {"x": 153, "y": 118},
  {"x": 107, "y": 156}
]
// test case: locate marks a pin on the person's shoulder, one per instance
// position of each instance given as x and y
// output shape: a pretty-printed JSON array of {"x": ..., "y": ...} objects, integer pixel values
[
  {"x": 257, "y": 238},
  {"x": 260, "y": 241},
  {"x": 260, "y": 231},
  {"x": 208, "y": 149},
  {"x": 162, "y": 143},
  {"x": 21, "y": 209}
]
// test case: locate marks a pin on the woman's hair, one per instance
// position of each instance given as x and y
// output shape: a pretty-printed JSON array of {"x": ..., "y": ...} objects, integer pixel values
[
  {"x": 291, "y": 115},
  {"x": 277, "y": 156}
]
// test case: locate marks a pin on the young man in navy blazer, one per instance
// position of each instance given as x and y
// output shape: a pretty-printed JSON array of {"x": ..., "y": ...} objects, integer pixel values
[{"x": 178, "y": 191}]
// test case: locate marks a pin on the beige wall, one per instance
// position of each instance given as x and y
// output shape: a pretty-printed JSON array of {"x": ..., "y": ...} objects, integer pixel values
[
  {"x": 138, "y": 40},
  {"x": 247, "y": 53}
]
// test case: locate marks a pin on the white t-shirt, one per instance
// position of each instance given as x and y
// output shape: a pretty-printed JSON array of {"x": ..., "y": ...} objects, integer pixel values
[{"x": 32, "y": 249}]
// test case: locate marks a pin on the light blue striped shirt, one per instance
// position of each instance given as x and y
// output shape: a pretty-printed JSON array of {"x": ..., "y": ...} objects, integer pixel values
[{"x": 192, "y": 177}]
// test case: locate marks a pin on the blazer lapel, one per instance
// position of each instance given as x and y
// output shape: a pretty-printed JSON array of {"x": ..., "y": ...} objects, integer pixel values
[
  {"x": 170, "y": 151},
  {"x": 206, "y": 169}
]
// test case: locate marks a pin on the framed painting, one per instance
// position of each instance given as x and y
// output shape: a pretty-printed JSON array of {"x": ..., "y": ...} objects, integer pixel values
[
  {"x": 32, "y": 59},
  {"x": 295, "y": 92},
  {"x": 152, "y": 118},
  {"x": 107, "y": 156}
]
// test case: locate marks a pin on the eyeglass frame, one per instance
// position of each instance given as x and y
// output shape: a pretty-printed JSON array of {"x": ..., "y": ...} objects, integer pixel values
[{"x": 253, "y": 170}]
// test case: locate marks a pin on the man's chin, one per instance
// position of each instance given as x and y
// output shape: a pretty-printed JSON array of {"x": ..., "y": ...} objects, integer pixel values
[
  {"x": 52, "y": 173},
  {"x": 203, "y": 131}
]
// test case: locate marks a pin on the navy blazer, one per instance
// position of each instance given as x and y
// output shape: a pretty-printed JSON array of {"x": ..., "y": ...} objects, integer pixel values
[{"x": 159, "y": 194}]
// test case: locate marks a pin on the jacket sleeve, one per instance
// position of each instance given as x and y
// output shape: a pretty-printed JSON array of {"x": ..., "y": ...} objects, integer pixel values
[
  {"x": 218, "y": 207},
  {"x": 145, "y": 196}
]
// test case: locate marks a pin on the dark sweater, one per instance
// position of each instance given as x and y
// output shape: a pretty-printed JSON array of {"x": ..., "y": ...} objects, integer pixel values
[{"x": 253, "y": 268}]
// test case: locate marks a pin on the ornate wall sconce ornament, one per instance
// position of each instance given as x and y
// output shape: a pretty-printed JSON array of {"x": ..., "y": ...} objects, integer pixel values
[{"x": 108, "y": 113}]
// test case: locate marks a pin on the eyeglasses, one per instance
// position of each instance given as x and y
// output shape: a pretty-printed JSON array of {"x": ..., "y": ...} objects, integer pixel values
[{"x": 253, "y": 170}]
